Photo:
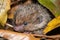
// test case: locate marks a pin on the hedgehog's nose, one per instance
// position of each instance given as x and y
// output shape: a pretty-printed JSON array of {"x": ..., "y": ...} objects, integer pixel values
[{"x": 25, "y": 23}]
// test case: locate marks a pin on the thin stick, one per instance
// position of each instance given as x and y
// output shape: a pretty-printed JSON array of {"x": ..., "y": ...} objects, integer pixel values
[
  {"x": 9, "y": 25},
  {"x": 52, "y": 37}
]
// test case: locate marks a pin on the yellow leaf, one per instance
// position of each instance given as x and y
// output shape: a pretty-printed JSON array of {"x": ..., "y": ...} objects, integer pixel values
[
  {"x": 52, "y": 25},
  {"x": 4, "y": 7}
]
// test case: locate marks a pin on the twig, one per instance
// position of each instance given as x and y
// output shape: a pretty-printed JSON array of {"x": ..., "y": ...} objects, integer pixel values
[
  {"x": 52, "y": 37},
  {"x": 9, "y": 25}
]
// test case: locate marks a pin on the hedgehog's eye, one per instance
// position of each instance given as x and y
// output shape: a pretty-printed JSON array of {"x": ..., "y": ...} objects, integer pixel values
[{"x": 25, "y": 23}]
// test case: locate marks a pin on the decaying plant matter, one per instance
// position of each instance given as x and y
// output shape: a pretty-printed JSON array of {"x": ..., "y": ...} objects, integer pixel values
[{"x": 10, "y": 35}]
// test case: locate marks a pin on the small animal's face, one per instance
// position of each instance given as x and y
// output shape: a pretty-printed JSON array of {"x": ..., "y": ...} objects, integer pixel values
[
  {"x": 25, "y": 14},
  {"x": 22, "y": 20}
]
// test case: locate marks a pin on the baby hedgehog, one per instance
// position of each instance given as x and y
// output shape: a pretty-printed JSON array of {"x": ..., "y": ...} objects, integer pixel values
[{"x": 30, "y": 16}]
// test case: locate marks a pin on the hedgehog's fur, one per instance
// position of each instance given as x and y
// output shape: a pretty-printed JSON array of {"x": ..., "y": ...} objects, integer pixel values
[{"x": 33, "y": 16}]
